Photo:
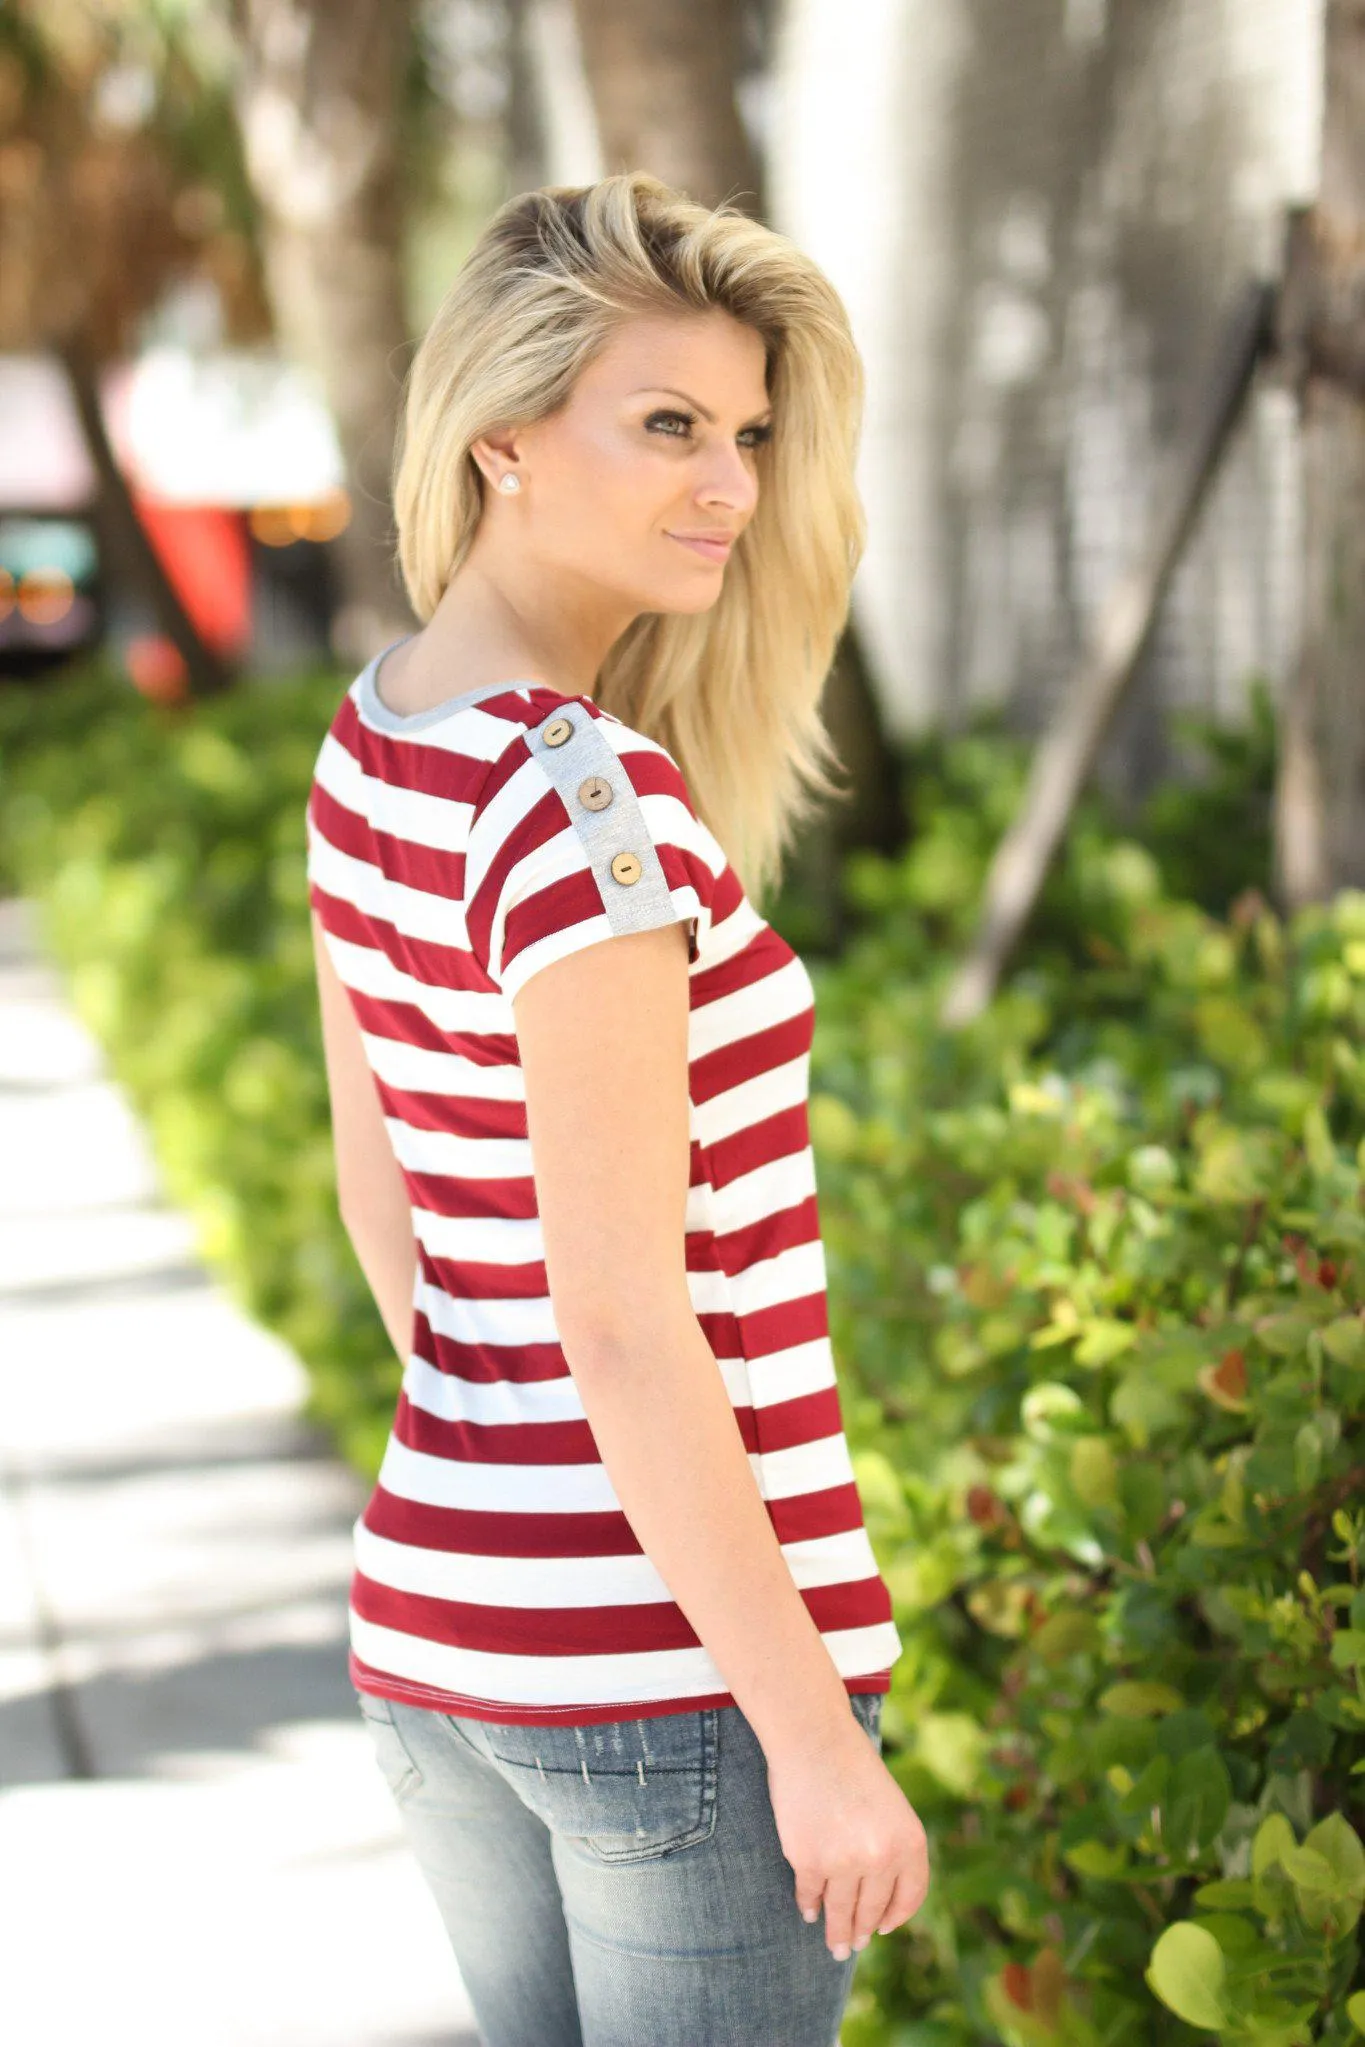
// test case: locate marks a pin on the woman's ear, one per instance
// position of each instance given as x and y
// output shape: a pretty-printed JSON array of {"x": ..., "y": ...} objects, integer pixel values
[{"x": 497, "y": 455}]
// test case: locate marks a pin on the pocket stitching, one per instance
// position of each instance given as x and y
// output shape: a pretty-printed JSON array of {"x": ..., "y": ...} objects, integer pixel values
[{"x": 700, "y": 1830}]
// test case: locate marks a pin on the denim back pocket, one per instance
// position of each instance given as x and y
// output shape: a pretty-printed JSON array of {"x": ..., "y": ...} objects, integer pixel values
[{"x": 627, "y": 1790}]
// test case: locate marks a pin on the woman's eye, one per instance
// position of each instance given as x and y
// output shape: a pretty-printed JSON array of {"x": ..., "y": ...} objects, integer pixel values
[
  {"x": 687, "y": 420},
  {"x": 750, "y": 437}
]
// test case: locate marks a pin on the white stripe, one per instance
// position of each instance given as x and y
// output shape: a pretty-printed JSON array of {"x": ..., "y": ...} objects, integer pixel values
[
  {"x": 441, "y": 822},
  {"x": 512, "y": 1324},
  {"x": 752, "y": 1101},
  {"x": 775, "y": 1282},
  {"x": 767, "y": 1191},
  {"x": 443, "y": 1153},
  {"x": 480, "y": 1239},
  {"x": 533, "y": 1680},
  {"x": 567, "y": 1582},
  {"x": 747, "y": 1012},
  {"x": 420, "y": 1072},
  {"x": 496, "y": 1488},
  {"x": 416, "y": 912},
  {"x": 763, "y": 1382},
  {"x": 585, "y": 1488},
  {"x": 550, "y": 1681},
  {"x": 368, "y": 971},
  {"x": 806, "y": 1468},
  {"x": 491, "y": 1403},
  {"x": 492, "y": 1324},
  {"x": 791, "y": 1374}
]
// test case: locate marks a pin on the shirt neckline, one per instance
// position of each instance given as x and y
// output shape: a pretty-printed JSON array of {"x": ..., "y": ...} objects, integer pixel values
[{"x": 377, "y": 712}]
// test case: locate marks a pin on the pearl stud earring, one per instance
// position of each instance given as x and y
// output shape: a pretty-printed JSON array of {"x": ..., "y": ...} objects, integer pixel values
[{"x": 510, "y": 484}]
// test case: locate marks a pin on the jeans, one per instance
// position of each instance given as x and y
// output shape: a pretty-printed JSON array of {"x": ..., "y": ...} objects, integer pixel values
[{"x": 618, "y": 1885}]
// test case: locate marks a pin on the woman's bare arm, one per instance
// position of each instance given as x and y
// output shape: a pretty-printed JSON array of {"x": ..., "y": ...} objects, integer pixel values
[
  {"x": 603, "y": 1041},
  {"x": 371, "y": 1192}
]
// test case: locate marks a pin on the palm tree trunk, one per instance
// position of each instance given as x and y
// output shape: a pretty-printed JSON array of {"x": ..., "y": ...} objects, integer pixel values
[
  {"x": 126, "y": 552},
  {"x": 662, "y": 75},
  {"x": 319, "y": 102},
  {"x": 1320, "y": 796}
]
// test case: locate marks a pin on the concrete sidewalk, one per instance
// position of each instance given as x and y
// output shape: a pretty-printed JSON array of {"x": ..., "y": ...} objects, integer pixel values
[{"x": 195, "y": 1845}]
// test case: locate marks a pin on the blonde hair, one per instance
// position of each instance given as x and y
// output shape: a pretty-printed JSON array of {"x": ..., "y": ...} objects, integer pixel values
[{"x": 733, "y": 693}]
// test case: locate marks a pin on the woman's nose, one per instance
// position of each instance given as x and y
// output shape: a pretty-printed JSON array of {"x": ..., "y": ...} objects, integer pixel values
[{"x": 729, "y": 482}]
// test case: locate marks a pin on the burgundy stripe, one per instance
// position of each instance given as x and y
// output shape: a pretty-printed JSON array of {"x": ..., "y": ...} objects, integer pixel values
[
  {"x": 469, "y": 1532},
  {"x": 788, "y": 1230},
  {"x": 582, "y": 1630},
  {"x": 465, "y": 1442},
  {"x": 474, "y": 1532}
]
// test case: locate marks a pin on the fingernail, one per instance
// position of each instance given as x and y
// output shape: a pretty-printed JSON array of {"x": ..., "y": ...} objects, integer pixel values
[
  {"x": 810, "y": 1914},
  {"x": 840, "y": 1953},
  {"x": 859, "y": 1945}
]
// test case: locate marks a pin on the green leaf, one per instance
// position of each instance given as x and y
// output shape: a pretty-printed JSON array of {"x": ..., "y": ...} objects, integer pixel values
[
  {"x": 1103, "y": 1338},
  {"x": 1309, "y": 1871},
  {"x": 1307, "y": 1457},
  {"x": 1344, "y": 1340},
  {"x": 1098, "y": 1859},
  {"x": 1348, "y": 1648},
  {"x": 1286, "y": 1335},
  {"x": 1196, "y": 1803},
  {"x": 1355, "y": 2010},
  {"x": 1050, "y": 1408},
  {"x": 1142, "y": 1408},
  {"x": 1228, "y": 1894},
  {"x": 1135, "y": 1700},
  {"x": 1188, "y": 1973},
  {"x": 1272, "y": 1841},
  {"x": 1094, "y": 1471},
  {"x": 1063, "y": 1635},
  {"x": 1337, "y": 1841}
]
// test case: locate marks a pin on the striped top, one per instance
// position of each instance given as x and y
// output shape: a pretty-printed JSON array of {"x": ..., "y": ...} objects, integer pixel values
[{"x": 451, "y": 853}]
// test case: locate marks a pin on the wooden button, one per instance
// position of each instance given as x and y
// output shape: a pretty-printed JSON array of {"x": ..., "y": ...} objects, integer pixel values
[
  {"x": 596, "y": 793},
  {"x": 626, "y": 868},
  {"x": 557, "y": 731}
]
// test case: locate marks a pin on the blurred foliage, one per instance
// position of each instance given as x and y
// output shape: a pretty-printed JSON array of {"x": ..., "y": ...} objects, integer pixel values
[
  {"x": 121, "y": 171},
  {"x": 165, "y": 848},
  {"x": 1097, "y": 1268},
  {"x": 1096, "y": 1296}
]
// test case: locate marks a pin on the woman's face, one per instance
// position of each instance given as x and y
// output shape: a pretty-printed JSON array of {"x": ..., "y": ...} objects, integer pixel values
[{"x": 644, "y": 478}]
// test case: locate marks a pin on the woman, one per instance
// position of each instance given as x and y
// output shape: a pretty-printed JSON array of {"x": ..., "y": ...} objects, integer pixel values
[{"x": 616, "y": 1625}]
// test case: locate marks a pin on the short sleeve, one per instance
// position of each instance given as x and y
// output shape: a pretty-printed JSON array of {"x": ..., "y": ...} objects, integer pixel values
[{"x": 586, "y": 832}]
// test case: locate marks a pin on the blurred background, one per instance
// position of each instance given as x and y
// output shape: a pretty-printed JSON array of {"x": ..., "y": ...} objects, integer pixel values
[{"x": 1088, "y": 931}]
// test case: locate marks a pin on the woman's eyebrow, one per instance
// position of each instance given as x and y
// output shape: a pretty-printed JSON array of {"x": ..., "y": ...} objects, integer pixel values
[{"x": 710, "y": 417}]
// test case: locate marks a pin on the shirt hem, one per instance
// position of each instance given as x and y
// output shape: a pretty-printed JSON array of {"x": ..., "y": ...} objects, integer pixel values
[{"x": 402, "y": 1691}]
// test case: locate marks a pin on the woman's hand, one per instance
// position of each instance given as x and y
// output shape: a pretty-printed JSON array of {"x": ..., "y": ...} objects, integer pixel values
[{"x": 851, "y": 1835}]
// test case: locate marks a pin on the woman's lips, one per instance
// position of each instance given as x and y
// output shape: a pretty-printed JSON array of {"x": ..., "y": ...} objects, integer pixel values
[{"x": 712, "y": 550}]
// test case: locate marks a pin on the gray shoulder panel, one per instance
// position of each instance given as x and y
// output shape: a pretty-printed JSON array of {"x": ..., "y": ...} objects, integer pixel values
[{"x": 580, "y": 762}]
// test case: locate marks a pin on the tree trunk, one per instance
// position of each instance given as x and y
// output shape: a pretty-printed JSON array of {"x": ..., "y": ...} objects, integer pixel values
[
  {"x": 662, "y": 75},
  {"x": 1320, "y": 793},
  {"x": 319, "y": 105},
  {"x": 126, "y": 551}
]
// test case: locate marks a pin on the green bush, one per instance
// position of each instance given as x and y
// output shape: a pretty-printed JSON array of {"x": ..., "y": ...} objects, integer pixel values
[
  {"x": 1096, "y": 1286},
  {"x": 165, "y": 850},
  {"x": 1096, "y": 1278}
]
